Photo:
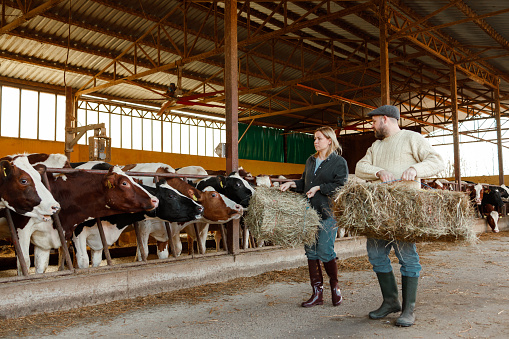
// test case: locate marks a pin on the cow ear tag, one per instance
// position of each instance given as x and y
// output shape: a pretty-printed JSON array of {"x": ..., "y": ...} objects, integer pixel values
[
  {"x": 109, "y": 184},
  {"x": 5, "y": 174},
  {"x": 194, "y": 198},
  {"x": 220, "y": 183}
]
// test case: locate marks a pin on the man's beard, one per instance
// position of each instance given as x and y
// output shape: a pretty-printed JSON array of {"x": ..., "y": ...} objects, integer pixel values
[{"x": 381, "y": 133}]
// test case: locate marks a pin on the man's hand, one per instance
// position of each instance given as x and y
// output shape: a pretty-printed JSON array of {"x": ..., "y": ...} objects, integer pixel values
[
  {"x": 287, "y": 185},
  {"x": 409, "y": 175},
  {"x": 312, "y": 191},
  {"x": 385, "y": 176}
]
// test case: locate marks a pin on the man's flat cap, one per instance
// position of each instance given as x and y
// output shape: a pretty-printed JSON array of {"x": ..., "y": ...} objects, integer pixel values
[{"x": 388, "y": 110}]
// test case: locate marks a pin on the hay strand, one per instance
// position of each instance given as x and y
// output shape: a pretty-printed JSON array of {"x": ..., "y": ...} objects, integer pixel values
[
  {"x": 396, "y": 212},
  {"x": 283, "y": 218}
]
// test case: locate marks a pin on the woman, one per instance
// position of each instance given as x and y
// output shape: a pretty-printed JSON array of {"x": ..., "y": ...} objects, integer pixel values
[{"x": 325, "y": 171}]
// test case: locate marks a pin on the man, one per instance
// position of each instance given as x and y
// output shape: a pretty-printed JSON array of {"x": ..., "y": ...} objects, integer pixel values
[{"x": 405, "y": 155}]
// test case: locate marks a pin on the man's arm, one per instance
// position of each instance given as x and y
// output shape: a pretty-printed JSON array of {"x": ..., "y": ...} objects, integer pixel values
[
  {"x": 364, "y": 168},
  {"x": 430, "y": 162}
]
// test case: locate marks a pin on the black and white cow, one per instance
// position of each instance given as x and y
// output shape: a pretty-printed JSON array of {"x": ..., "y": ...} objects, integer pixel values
[{"x": 490, "y": 205}]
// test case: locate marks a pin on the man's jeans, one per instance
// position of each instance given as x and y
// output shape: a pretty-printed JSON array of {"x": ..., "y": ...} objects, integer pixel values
[{"x": 378, "y": 254}]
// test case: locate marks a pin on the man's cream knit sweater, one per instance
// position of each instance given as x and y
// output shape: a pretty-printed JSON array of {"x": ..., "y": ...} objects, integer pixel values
[{"x": 396, "y": 154}]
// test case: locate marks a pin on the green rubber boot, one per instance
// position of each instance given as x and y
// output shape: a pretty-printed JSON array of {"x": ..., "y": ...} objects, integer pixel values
[
  {"x": 389, "y": 289},
  {"x": 409, "y": 287}
]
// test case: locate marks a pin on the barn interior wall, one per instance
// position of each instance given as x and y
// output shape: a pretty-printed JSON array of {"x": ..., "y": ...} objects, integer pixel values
[
  {"x": 485, "y": 179},
  {"x": 127, "y": 156}
]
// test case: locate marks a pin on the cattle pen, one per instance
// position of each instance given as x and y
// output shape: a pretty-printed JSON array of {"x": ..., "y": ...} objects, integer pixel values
[{"x": 66, "y": 290}]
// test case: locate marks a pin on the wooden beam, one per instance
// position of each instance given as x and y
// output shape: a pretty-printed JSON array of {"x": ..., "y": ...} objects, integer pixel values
[
  {"x": 385, "y": 94},
  {"x": 24, "y": 18},
  {"x": 454, "y": 108},
  {"x": 232, "y": 106},
  {"x": 499, "y": 136}
]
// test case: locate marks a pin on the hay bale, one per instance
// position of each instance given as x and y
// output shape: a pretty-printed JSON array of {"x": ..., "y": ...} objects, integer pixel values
[
  {"x": 283, "y": 218},
  {"x": 396, "y": 212}
]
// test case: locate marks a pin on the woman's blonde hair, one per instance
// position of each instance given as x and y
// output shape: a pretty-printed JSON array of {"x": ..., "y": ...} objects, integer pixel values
[{"x": 334, "y": 146}]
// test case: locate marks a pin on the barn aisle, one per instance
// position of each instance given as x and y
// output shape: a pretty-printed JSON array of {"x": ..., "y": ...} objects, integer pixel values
[{"x": 464, "y": 292}]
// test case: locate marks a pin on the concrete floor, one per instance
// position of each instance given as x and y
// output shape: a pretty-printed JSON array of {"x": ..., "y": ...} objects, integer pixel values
[{"x": 463, "y": 293}]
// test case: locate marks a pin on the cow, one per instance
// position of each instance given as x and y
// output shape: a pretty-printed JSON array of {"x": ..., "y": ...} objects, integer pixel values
[
  {"x": 149, "y": 167},
  {"x": 95, "y": 165},
  {"x": 173, "y": 207},
  {"x": 491, "y": 217},
  {"x": 203, "y": 226},
  {"x": 506, "y": 190},
  {"x": 82, "y": 196},
  {"x": 49, "y": 160},
  {"x": 214, "y": 209},
  {"x": 192, "y": 171},
  {"x": 217, "y": 209},
  {"x": 490, "y": 205},
  {"x": 475, "y": 193},
  {"x": 233, "y": 187},
  {"x": 263, "y": 181},
  {"x": 22, "y": 190},
  {"x": 435, "y": 184}
]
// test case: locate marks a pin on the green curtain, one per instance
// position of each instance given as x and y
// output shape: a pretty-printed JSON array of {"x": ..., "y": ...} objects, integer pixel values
[
  {"x": 299, "y": 147},
  {"x": 267, "y": 144},
  {"x": 261, "y": 143}
]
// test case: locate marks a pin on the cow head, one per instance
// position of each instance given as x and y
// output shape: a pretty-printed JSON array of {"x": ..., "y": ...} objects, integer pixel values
[
  {"x": 174, "y": 206},
  {"x": 491, "y": 217},
  {"x": 238, "y": 189},
  {"x": 22, "y": 191},
  {"x": 217, "y": 207},
  {"x": 122, "y": 193},
  {"x": 477, "y": 193},
  {"x": 218, "y": 183}
]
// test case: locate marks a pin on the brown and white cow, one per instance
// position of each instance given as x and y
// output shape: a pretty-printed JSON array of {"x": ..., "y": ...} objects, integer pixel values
[
  {"x": 173, "y": 207},
  {"x": 475, "y": 192},
  {"x": 22, "y": 190},
  {"x": 82, "y": 196}
]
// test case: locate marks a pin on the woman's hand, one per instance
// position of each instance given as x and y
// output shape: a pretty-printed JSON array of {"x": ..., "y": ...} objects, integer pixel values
[
  {"x": 287, "y": 185},
  {"x": 312, "y": 191}
]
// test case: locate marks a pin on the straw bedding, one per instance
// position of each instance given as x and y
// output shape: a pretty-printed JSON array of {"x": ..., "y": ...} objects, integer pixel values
[
  {"x": 282, "y": 218},
  {"x": 395, "y": 212}
]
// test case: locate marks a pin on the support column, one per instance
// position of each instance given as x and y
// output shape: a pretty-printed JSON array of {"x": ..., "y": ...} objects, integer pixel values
[
  {"x": 232, "y": 106},
  {"x": 455, "y": 129},
  {"x": 499, "y": 135},
  {"x": 384, "y": 55},
  {"x": 69, "y": 119}
]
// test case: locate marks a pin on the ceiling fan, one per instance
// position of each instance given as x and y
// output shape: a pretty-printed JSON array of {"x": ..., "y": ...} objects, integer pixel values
[{"x": 174, "y": 95}]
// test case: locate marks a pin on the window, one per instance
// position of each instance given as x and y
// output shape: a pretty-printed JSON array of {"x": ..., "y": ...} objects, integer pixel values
[
  {"x": 10, "y": 112},
  {"x": 42, "y": 116},
  {"x": 47, "y": 114},
  {"x": 126, "y": 132}
]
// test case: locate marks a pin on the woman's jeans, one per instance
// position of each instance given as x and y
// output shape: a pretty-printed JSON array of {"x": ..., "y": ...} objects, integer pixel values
[
  {"x": 378, "y": 254},
  {"x": 323, "y": 248}
]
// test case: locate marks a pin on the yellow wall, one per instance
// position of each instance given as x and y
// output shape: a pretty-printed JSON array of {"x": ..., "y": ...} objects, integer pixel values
[
  {"x": 485, "y": 179},
  {"x": 120, "y": 156}
]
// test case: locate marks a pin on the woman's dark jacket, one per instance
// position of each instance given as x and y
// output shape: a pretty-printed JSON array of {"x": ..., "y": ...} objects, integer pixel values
[{"x": 332, "y": 173}]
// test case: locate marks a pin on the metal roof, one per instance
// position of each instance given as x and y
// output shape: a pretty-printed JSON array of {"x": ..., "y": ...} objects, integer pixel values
[{"x": 301, "y": 63}]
